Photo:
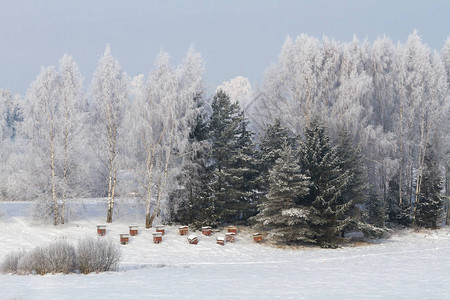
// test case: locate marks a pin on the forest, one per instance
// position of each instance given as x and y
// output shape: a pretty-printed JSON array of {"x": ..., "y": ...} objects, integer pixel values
[{"x": 341, "y": 137}]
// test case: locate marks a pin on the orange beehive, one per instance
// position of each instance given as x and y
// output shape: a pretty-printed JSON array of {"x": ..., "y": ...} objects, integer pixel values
[
  {"x": 229, "y": 237},
  {"x": 257, "y": 237},
  {"x": 221, "y": 240},
  {"x": 101, "y": 230},
  {"x": 157, "y": 237},
  {"x": 134, "y": 230},
  {"x": 161, "y": 228},
  {"x": 184, "y": 230},
  {"x": 124, "y": 238},
  {"x": 192, "y": 239},
  {"x": 232, "y": 229},
  {"x": 206, "y": 230}
]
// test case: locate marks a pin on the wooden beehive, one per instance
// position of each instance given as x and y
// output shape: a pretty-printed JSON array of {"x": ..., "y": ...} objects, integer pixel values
[
  {"x": 124, "y": 238},
  {"x": 184, "y": 230},
  {"x": 257, "y": 237},
  {"x": 157, "y": 237},
  {"x": 206, "y": 230},
  {"x": 101, "y": 230},
  {"x": 221, "y": 240},
  {"x": 229, "y": 237},
  {"x": 161, "y": 228},
  {"x": 232, "y": 229},
  {"x": 192, "y": 239},
  {"x": 134, "y": 230}
]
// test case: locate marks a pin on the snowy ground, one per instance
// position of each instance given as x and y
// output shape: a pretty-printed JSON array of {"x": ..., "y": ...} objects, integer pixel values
[{"x": 410, "y": 265}]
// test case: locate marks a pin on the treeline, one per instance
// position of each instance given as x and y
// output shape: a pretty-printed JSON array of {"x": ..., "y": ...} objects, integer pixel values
[
  {"x": 394, "y": 102},
  {"x": 343, "y": 135}
]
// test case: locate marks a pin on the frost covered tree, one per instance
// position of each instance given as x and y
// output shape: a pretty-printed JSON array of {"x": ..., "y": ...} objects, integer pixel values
[
  {"x": 11, "y": 117},
  {"x": 190, "y": 198},
  {"x": 71, "y": 114},
  {"x": 161, "y": 119},
  {"x": 280, "y": 213},
  {"x": 180, "y": 115},
  {"x": 414, "y": 87},
  {"x": 42, "y": 128},
  {"x": 293, "y": 84},
  {"x": 238, "y": 89},
  {"x": 351, "y": 109},
  {"x": 53, "y": 118},
  {"x": 109, "y": 96},
  {"x": 446, "y": 60}
]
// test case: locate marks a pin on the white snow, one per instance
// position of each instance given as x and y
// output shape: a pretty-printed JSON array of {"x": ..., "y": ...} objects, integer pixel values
[{"x": 410, "y": 265}]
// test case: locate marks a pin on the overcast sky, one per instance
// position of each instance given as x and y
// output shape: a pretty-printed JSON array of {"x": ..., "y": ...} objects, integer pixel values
[{"x": 235, "y": 37}]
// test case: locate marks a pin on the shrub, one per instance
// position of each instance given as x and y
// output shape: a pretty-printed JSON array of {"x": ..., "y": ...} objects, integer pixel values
[
  {"x": 91, "y": 255},
  {"x": 9, "y": 264},
  {"x": 98, "y": 255},
  {"x": 58, "y": 257}
]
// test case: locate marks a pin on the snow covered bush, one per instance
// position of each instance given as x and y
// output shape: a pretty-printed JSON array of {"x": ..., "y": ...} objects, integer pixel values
[
  {"x": 98, "y": 255},
  {"x": 9, "y": 264},
  {"x": 58, "y": 257},
  {"x": 91, "y": 255}
]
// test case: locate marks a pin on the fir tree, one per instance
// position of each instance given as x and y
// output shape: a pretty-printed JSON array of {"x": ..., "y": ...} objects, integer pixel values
[
  {"x": 375, "y": 208},
  {"x": 328, "y": 213},
  {"x": 240, "y": 177},
  {"x": 397, "y": 212},
  {"x": 280, "y": 214},
  {"x": 223, "y": 134},
  {"x": 352, "y": 160},
  {"x": 429, "y": 209},
  {"x": 270, "y": 148}
]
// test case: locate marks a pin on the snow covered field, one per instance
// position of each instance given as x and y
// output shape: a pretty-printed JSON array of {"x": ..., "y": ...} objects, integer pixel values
[{"x": 410, "y": 265}]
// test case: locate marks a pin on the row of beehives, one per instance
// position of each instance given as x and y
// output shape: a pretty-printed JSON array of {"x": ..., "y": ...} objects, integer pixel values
[{"x": 183, "y": 230}]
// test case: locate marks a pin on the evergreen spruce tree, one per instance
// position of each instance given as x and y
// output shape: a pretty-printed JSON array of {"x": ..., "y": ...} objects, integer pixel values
[
  {"x": 352, "y": 160},
  {"x": 240, "y": 177},
  {"x": 430, "y": 206},
  {"x": 328, "y": 213},
  {"x": 375, "y": 208},
  {"x": 398, "y": 213},
  {"x": 223, "y": 132},
  {"x": 270, "y": 148},
  {"x": 285, "y": 220}
]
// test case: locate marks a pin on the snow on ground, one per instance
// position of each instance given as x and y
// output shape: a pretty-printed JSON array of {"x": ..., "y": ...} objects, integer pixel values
[{"x": 410, "y": 265}]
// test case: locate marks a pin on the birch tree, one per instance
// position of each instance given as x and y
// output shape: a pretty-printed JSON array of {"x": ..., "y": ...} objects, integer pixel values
[
  {"x": 109, "y": 96},
  {"x": 41, "y": 126},
  {"x": 71, "y": 119},
  {"x": 163, "y": 115}
]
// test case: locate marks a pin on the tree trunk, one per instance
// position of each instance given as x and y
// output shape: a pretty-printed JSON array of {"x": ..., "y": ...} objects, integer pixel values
[
  {"x": 402, "y": 154},
  {"x": 53, "y": 179},
  {"x": 422, "y": 150},
  {"x": 162, "y": 186},
  {"x": 150, "y": 163},
  {"x": 65, "y": 162},
  {"x": 447, "y": 193},
  {"x": 112, "y": 136},
  {"x": 110, "y": 203}
]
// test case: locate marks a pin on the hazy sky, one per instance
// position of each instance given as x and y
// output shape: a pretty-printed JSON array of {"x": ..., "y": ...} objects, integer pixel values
[{"x": 234, "y": 37}]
